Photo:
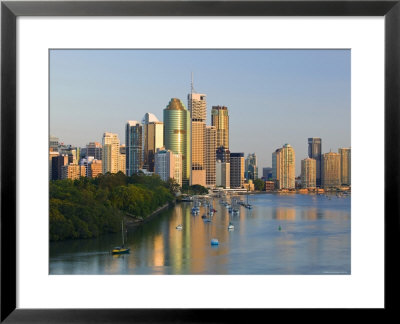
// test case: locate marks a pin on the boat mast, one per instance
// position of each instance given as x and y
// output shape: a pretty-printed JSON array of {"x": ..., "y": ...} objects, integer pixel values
[{"x": 122, "y": 232}]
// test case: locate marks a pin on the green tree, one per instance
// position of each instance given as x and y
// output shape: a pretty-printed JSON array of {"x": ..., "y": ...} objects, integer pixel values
[{"x": 259, "y": 184}]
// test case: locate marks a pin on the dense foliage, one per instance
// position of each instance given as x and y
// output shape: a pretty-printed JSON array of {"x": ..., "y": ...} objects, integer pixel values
[
  {"x": 259, "y": 184},
  {"x": 194, "y": 190},
  {"x": 88, "y": 207}
]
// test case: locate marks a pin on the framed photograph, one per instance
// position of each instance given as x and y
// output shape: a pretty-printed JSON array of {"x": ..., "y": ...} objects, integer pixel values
[{"x": 163, "y": 159}]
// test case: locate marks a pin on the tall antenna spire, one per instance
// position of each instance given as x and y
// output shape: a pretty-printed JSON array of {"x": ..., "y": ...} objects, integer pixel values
[{"x": 191, "y": 85}]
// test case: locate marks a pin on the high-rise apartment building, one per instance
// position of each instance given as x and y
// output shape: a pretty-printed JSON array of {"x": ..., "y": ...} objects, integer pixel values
[
  {"x": 94, "y": 149},
  {"x": 133, "y": 142},
  {"x": 223, "y": 174},
  {"x": 315, "y": 152},
  {"x": 152, "y": 138},
  {"x": 283, "y": 167},
  {"x": 177, "y": 124},
  {"x": 331, "y": 170},
  {"x": 210, "y": 163},
  {"x": 345, "y": 166},
  {"x": 110, "y": 153},
  {"x": 251, "y": 168},
  {"x": 308, "y": 173},
  {"x": 168, "y": 165},
  {"x": 220, "y": 119},
  {"x": 237, "y": 170}
]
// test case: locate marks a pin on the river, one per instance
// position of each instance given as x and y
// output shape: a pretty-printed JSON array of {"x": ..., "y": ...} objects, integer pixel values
[{"x": 282, "y": 234}]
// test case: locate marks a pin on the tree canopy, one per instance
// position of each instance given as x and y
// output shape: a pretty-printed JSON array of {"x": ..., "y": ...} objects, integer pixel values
[{"x": 86, "y": 207}]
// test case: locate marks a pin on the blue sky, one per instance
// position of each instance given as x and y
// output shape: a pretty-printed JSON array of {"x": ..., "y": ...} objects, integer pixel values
[{"x": 273, "y": 96}]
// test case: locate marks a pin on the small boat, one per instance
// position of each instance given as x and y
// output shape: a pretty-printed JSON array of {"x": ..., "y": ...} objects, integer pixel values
[
  {"x": 231, "y": 227},
  {"x": 179, "y": 227},
  {"x": 214, "y": 241},
  {"x": 121, "y": 249}
]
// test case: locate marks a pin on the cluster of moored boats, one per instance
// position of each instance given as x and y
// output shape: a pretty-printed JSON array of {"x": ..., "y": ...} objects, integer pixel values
[{"x": 233, "y": 209}]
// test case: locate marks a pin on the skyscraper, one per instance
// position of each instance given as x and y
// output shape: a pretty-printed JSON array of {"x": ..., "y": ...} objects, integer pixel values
[
  {"x": 220, "y": 119},
  {"x": 283, "y": 167},
  {"x": 177, "y": 123},
  {"x": 331, "y": 170},
  {"x": 251, "y": 168},
  {"x": 110, "y": 153},
  {"x": 315, "y": 152},
  {"x": 237, "y": 170},
  {"x": 133, "y": 140},
  {"x": 153, "y": 139},
  {"x": 345, "y": 166},
  {"x": 198, "y": 112},
  {"x": 308, "y": 173},
  {"x": 210, "y": 156}
]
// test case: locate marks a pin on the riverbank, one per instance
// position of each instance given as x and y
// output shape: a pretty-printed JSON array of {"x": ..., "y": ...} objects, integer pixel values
[{"x": 132, "y": 223}]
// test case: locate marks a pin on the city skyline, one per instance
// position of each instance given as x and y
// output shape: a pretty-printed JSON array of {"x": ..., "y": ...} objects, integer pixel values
[{"x": 325, "y": 87}]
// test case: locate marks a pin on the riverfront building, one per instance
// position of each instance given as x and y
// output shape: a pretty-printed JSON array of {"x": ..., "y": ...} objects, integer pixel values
[
  {"x": 283, "y": 167},
  {"x": 153, "y": 139},
  {"x": 168, "y": 165},
  {"x": 269, "y": 186},
  {"x": 211, "y": 138},
  {"x": 110, "y": 153},
  {"x": 198, "y": 111},
  {"x": 251, "y": 168},
  {"x": 223, "y": 174},
  {"x": 133, "y": 140},
  {"x": 177, "y": 134},
  {"x": 308, "y": 173},
  {"x": 331, "y": 170},
  {"x": 237, "y": 170},
  {"x": 315, "y": 152},
  {"x": 345, "y": 166},
  {"x": 220, "y": 119}
]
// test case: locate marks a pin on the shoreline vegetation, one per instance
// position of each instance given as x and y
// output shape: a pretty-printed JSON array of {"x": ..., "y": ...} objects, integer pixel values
[
  {"x": 89, "y": 207},
  {"x": 86, "y": 208}
]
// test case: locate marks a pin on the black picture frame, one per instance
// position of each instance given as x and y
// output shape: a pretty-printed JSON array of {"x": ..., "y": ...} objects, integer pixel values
[{"x": 10, "y": 10}]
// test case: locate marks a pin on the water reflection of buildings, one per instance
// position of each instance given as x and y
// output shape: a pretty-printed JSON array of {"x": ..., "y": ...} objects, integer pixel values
[
  {"x": 309, "y": 214},
  {"x": 283, "y": 213}
]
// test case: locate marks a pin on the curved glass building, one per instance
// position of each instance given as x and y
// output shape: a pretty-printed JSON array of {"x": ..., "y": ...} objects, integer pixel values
[{"x": 177, "y": 134}]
